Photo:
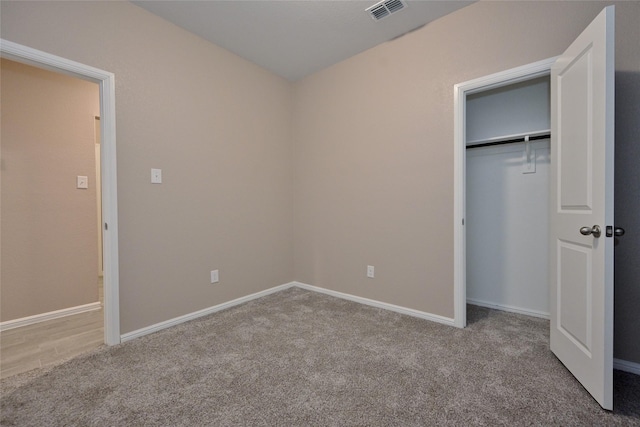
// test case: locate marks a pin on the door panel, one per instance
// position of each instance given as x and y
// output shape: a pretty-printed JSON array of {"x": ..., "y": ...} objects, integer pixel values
[
  {"x": 574, "y": 289},
  {"x": 575, "y": 176},
  {"x": 582, "y": 90}
]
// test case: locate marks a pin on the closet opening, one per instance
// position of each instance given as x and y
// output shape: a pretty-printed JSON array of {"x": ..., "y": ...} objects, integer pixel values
[
  {"x": 502, "y": 119},
  {"x": 507, "y": 158}
]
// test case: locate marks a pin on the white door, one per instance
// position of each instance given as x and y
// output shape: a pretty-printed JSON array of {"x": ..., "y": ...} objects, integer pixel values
[{"x": 581, "y": 263}]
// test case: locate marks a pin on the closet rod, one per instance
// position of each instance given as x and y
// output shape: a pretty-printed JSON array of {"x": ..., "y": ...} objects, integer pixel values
[{"x": 537, "y": 136}]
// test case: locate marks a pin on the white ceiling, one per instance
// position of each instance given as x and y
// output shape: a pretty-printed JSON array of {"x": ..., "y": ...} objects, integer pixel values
[{"x": 296, "y": 38}]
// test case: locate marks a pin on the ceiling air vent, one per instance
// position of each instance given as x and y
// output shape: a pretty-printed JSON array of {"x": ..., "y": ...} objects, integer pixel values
[{"x": 385, "y": 8}]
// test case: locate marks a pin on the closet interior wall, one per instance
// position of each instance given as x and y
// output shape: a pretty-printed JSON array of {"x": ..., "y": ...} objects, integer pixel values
[{"x": 507, "y": 198}]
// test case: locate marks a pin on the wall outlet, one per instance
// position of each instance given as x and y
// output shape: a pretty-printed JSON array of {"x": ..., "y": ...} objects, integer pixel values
[
  {"x": 214, "y": 276},
  {"x": 370, "y": 271}
]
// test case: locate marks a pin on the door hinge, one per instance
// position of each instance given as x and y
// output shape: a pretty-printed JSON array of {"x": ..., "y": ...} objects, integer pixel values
[{"x": 106, "y": 226}]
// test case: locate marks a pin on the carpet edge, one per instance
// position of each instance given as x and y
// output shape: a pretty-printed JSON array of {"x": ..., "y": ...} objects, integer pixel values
[
  {"x": 200, "y": 313},
  {"x": 379, "y": 304}
]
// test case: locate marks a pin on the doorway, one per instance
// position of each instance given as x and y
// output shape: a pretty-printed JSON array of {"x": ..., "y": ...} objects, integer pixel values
[
  {"x": 106, "y": 82},
  {"x": 49, "y": 210},
  {"x": 507, "y": 197},
  {"x": 582, "y": 154},
  {"x": 462, "y": 91}
]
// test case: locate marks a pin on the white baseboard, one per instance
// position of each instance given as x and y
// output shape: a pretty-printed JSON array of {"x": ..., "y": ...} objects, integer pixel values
[
  {"x": 379, "y": 304},
  {"x": 621, "y": 365},
  {"x": 509, "y": 308},
  {"x": 626, "y": 366},
  {"x": 185, "y": 318},
  {"x": 30, "y": 320},
  {"x": 618, "y": 364}
]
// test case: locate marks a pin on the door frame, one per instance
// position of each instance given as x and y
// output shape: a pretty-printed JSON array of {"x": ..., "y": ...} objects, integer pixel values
[
  {"x": 460, "y": 92},
  {"x": 97, "y": 150},
  {"x": 106, "y": 82}
]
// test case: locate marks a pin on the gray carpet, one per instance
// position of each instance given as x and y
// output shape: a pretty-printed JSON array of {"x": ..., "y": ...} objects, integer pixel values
[{"x": 299, "y": 358}]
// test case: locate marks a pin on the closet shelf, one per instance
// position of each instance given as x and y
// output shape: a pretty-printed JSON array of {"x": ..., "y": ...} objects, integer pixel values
[{"x": 506, "y": 139}]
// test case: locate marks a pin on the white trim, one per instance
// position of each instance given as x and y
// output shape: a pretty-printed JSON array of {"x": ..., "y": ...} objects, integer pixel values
[
  {"x": 43, "y": 317},
  {"x": 460, "y": 92},
  {"x": 185, "y": 318},
  {"x": 626, "y": 366},
  {"x": 398, "y": 309},
  {"x": 459, "y": 188},
  {"x": 204, "y": 312},
  {"x": 510, "y": 308},
  {"x": 106, "y": 81}
]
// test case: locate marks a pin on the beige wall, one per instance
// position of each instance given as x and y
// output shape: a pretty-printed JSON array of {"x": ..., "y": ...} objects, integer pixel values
[
  {"x": 373, "y": 144},
  {"x": 358, "y": 157},
  {"x": 49, "y": 236},
  {"x": 218, "y": 127}
]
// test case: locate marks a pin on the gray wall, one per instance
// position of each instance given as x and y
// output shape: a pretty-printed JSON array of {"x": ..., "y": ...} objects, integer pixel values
[{"x": 627, "y": 207}]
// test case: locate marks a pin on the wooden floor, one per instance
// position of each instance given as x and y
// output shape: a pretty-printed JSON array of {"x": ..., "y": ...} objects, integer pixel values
[{"x": 49, "y": 343}]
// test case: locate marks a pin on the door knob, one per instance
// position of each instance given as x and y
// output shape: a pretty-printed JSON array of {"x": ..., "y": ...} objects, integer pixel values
[{"x": 594, "y": 231}]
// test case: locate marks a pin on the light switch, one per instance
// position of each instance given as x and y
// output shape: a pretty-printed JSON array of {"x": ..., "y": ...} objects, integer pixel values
[
  {"x": 156, "y": 176},
  {"x": 82, "y": 182}
]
